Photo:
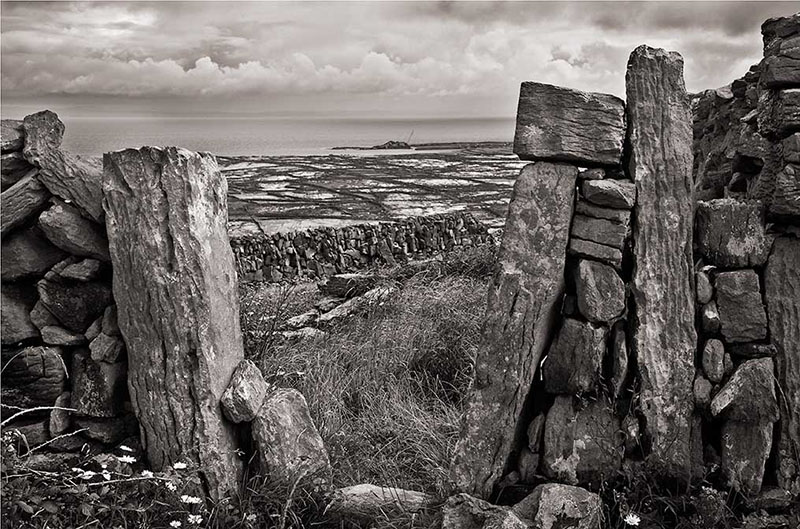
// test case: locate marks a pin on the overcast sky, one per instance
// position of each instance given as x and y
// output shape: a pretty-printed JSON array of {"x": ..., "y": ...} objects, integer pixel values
[{"x": 365, "y": 59}]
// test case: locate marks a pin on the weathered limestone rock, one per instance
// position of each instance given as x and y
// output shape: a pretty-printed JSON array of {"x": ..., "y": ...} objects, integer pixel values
[
  {"x": 601, "y": 231},
  {"x": 781, "y": 65},
  {"x": 782, "y": 294},
  {"x": 110, "y": 322},
  {"x": 582, "y": 446},
  {"x": 356, "y": 305},
  {"x": 522, "y": 307},
  {"x": 709, "y": 318},
  {"x": 305, "y": 319},
  {"x": 98, "y": 388},
  {"x": 593, "y": 250},
  {"x": 75, "y": 305},
  {"x": 21, "y": 201},
  {"x": 619, "y": 216},
  {"x": 69, "y": 177},
  {"x": 41, "y": 317},
  {"x": 70, "y": 231},
  {"x": 535, "y": 433},
  {"x": 348, "y": 285},
  {"x": 595, "y": 173},
  {"x": 575, "y": 359},
  {"x": 245, "y": 393},
  {"x": 745, "y": 449},
  {"x": 35, "y": 374},
  {"x": 15, "y": 317},
  {"x": 13, "y": 166},
  {"x": 32, "y": 432},
  {"x": 60, "y": 415},
  {"x": 663, "y": 336},
  {"x": 462, "y": 511},
  {"x": 108, "y": 430},
  {"x": 12, "y": 136},
  {"x": 749, "y": 395},
  {"x": 779, "y": 112},
  {"x": 289, "y": 446},
  {"x": 27, "y": 254},
  {"x": 610, "y": 193},
  {"x": 754, "y": 350},
  {"x": 702, "y": 393},
  {"x": 528, "y": 465},
  {"x": 555, "y": 506},
  {"x": 55, "y": 335},
  {"x": 370, "y": 503},
  {"x": 619, "y": 360},
  {"x": 703, "y": 288},
  {"x": 741, "y": 311},
  {"x": 731, "y": 233},
  {"x": 785, "y": 204},
  {"x": 562, "y": 125},
  {"x": 166, "y": 216},
  {"x": 84, "y": 270},
  {"x": 105, "y": 348},
  {"x": 600, "y": 291},
  {"x": 713, "y": 360}
]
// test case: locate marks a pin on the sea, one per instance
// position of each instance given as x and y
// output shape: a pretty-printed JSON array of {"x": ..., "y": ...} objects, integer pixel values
[{"x": 255, "y": 136}]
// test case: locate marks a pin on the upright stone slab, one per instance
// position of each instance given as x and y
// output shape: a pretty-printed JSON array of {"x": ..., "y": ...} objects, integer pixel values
[
  {"x": 782, "y": 288},
  {"x": 177, "y": 301},
  {"x": 663, "y": 334},
  {"x": 522, "y": 311}
]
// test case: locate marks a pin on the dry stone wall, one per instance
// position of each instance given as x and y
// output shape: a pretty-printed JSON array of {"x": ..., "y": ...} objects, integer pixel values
[{"x": 322, "y": 252}]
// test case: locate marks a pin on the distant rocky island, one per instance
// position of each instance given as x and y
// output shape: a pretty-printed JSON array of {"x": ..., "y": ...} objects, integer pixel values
[{"x": 455, "y": 145}]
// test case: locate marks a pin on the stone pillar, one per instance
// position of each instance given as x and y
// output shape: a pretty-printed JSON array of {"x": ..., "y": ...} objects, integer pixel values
[
  {"x": 178, "y": 308},
  {"x": 663, "y": 333},
  {"x": 522, "y": 310}
]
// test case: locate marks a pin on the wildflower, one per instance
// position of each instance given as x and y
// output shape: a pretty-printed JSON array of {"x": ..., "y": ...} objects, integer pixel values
[
  {"x": 106, "y": 475},
  {"x": 125, "y": 448},
  {"x": 179, "y": 465},
  {"x": 147, "y": 474},
  {"x": 175, "y": 523},
  {"x": 632, "y": 519},
  {"x": 127, "y": 459},
  {"x": 190, "y": 499},
  {"x": 103, "y": 466},
  {"x": 250, "y": 517},
  {"x": 194, "y": 519},
  {"x": 171, "y": 486}
]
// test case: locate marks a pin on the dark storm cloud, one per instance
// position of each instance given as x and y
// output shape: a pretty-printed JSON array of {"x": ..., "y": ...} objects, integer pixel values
[{"x": 468, "y": 51}]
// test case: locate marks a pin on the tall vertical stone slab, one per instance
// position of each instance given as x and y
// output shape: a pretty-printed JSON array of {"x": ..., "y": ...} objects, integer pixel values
[
  {"x": 522, "y": 310},
  {"x": 663, "y": 334},
  {"x": 782, "y": 289},
  {"x": 175, "y": 288}
]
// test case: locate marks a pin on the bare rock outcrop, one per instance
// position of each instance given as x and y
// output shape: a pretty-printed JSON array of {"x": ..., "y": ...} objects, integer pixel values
[
  {"x": 523, "y": 304},
  {"x": 731, "y": 233},
  {"x": 663, "y": 335},
  {"x": 556, "y": 506}
]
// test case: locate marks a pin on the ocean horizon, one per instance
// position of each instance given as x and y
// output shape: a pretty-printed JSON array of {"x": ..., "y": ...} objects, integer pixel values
[{"x": 231, "y": 136}]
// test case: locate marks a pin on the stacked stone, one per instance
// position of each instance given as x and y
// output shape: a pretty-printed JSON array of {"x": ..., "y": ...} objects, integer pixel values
[
  {"x": 747, "y": 137},
  {"x": 322, "y": 252},
  {"x": 61, "y": 344}
]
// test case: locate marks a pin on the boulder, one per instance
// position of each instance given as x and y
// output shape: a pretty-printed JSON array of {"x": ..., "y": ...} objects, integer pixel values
[
  {"x": 110, "y": 323},
  {"x": 28, "y": 254},
  {"x": 749, "y": 395},
  {"x": 358, "y": 305},
  {"x": 105, "y": 348},
  {"x": 13, "y": 166},
  {"x": 663, "y": 338},
  {"x": 781, "y": 65},
  {"x": 754, "y": 350},
  {"x": 12, "y": 136},
  {"x": 98, "y": 388},
  {"x": 30, "y": 432},
  {"x": 41, "y": 317},
  {"x": 15, "y": 313},
  {"x": 782, "y": 294},
  {"x": 610, "y": 193},
  {"x": 77, "y": 305},
  {"x": 289, "y": 446},
  {"x": 741, "y": 312},
  {"x": 601, "y": 231},
  {"x": 709, "y": 318},
  {"x": 305, "y": 319},
  {"x": 33, "y": 376},
  {"x": 84, "y": 270},
  {"x": 575, "y": 359},
  {"x": 599, "y": 290},
  {"x": 94, "y": 329},
  {"x": 523, "y": 305},
  {"x": 22, "y": 201},
  {"x": 463, "y": 511},
  {"x": 785, "y": 202},
  {"x": 595, "y": 173},
  {"x": 368, "y": 503},
  {"x": 731, "y": 233},
  {"x": 55, "y": 335},
  {"x": 745, "y": 450},
  {"x": 582, "y": 445},
  {"x": 618, "y": 216},
  {"x": 70, "y": 231},
  {"x": 702, "y": 393},
  {"x": 304, "y": 333},
  {"x": 245, "y": 393},
  {"x": 779, "y": 112},
  {"x": 556, "y": 506},
  {"x": 61, "y": 415},
  {"x": 619, "y": 360},
  {"x": 528, "y": 465},
  {"x": 69, "y": 177},
  {"x": 703, "y": 287},
  {"x": 713, "y": 360},
  {"x": 563, "y": 125},
  {"x": 593, "y": 250},
  {"x": 347, "y": 285}
]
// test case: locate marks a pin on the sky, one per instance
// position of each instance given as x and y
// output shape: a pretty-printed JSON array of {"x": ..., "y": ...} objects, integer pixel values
[{"x": 362, "y": 59}]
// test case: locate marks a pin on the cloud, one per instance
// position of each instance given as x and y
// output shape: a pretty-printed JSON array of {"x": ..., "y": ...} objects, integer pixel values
[{"x": 223, "y": 50}]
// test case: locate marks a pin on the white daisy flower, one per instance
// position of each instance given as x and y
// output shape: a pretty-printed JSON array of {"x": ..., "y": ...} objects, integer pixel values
[
  {"x": 171, "y": 486},
  {"x": 147, "y": 474},
  {"x": 194, "y": 500},
  {"x": 175, "y": 523},
  {"x": 180, "y": 465},
  {"x": 127, "y": 459},
  {"x": 632, "y": 519},
  {"x": 194, "y": 519}
]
